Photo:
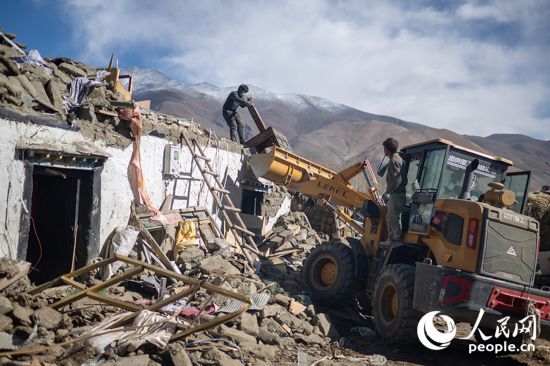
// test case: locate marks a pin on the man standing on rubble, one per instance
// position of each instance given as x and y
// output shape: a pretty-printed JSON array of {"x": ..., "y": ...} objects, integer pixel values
[
  {"x": 395, "y": 190},
  {"x": 234, "y": 100}
]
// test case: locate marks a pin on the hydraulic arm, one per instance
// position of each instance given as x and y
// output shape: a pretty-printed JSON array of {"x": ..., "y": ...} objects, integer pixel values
[{"x": 328, "y": 187}]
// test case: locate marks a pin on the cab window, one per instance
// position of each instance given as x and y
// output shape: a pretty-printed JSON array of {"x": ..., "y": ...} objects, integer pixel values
[
  {"x": 518, "y": 182},
  {"x": 423, "y": 199},
  {"x": 432, "y": 169},
  {"x": 455, "y": 169},
  {"x": 412, "y": 174}
]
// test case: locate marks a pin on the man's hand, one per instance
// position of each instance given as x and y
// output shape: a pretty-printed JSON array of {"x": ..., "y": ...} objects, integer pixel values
[{"x": 386, "y": 197}]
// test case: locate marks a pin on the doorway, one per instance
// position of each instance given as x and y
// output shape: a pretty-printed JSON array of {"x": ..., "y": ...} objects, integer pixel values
[
  {"x": 61, "y": 211},
  {"x": 251, "y": 202}
]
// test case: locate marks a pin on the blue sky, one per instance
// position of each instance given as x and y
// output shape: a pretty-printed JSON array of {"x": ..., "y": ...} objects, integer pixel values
[{"x": 476, "y": 67}]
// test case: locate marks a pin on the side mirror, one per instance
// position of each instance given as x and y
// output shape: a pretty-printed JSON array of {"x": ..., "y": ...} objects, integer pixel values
[{"x": 383, "y": 166}]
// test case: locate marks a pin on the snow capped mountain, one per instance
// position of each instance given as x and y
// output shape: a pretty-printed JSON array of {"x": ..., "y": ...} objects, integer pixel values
[
  {"x": 329, "y": 133},
  {"x": 148, "y": 80},
  {"x": 296, "y": 101}
]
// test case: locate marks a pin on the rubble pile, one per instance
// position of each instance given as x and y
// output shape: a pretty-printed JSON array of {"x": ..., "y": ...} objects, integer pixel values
[
  {"x": 538, "y": 207},
  {"x": 43, "y": 92},
  {"x": 272, "y": 200},
  {"x": 291, "y": 231},
  {"x": 285, "y": 248},
  {"x": 31, "y": 87},
  {"x": 280, "y": 326},
  {"x": 322, "y": 218}
]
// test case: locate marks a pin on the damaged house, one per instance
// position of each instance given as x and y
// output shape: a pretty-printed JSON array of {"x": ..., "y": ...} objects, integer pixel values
[
  {"x": 67, "y": 173},
  {"x": 90, "y": 177}
]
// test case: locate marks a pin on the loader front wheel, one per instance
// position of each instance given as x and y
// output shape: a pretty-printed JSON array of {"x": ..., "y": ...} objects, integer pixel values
[
  {"x": 395, "y": 319},
  {"x": 329, "y": 272}
]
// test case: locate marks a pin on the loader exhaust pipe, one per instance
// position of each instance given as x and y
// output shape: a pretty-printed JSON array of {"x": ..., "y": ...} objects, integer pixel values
[{"x": 468, "y": 180}]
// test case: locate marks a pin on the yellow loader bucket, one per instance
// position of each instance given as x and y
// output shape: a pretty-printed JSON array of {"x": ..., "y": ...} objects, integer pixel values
[{"x": 283, "y": 167}]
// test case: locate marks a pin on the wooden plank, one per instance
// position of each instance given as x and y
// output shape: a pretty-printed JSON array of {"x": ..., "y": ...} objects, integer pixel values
[
  {"x": 155, "y": 247},
  {"x": 202, "y": 157},
  {"x": 242, "y": 230},
  {"x": 146, "y": 104},
  {"x": 221, "y": 190},
  {"x": 100, "y": 286},
  {"x": 116, "y": 104},
  {"x": 101, "y": 298},
  {"x": 231, "y": 208},
  {"x": 23, "y": 270},
  {"x": 282, "y": 253},
  {"x": 78, "y": 272},
  {"x": 207, "y": 233},
  {"x": 167, "y": 204},
  {"x": 160, "y": 304},
  {"x": 107, "y": 112},
  {"x": 186, "y": 279},
  {"x": 114, "y": 302}
]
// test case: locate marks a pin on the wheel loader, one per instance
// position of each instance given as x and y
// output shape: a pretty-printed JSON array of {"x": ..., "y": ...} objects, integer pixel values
[{"x": 467, "y": 246}]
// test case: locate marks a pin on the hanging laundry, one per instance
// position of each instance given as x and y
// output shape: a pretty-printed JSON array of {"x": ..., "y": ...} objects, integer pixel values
[{"x": 79, "y": 88}]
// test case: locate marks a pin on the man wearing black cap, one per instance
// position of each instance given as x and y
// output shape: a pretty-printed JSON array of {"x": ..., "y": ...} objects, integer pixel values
[{"x": 234, "y": 100}]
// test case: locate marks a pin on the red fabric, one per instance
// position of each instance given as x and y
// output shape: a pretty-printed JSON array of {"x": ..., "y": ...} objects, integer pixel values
[{"x": 135, "y": 175}]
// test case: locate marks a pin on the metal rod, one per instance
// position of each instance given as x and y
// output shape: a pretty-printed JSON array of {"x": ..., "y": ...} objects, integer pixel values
[
  {"x": 75, "y": 226},
  {"x": 12, "y": 44}
]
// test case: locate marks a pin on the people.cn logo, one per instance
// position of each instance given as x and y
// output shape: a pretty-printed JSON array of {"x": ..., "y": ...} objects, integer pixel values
[{"x": 432, "y": 338}]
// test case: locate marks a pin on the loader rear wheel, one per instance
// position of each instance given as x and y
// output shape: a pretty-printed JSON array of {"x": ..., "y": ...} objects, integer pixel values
[
  {"x": 329, "y": 272},
  {"x": 395, "y": 319}
]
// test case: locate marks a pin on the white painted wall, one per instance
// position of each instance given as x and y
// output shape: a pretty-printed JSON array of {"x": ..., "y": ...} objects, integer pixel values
[
  {"x": 116, "y": 195},
  {"x": 11, "y": 185},
  {"x": 283, "y": 210}
]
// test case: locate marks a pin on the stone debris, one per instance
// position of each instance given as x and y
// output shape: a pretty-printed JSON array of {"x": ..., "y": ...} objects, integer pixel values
[
  {"x": 216, "y": 265},
  {"x": 291, "y": 232},
  {"x": 48, "y": 317},
  {"x": 272, "y": 334},
  {"x": 29, "y": 90},
  {"x": 538, "y": 207}
]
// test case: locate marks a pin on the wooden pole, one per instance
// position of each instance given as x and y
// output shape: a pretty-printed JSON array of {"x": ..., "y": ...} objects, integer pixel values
[{"x": 75, "y": 226}]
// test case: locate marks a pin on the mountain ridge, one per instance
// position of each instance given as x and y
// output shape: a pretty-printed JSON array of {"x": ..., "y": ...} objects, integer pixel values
[{"x": 329, "y": 133}]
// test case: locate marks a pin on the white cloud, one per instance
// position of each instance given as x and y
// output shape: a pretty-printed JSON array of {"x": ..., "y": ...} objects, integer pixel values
[{"x": 416, "y": 63}]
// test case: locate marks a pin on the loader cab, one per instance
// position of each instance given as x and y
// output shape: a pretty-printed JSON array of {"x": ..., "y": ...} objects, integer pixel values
[{"x": 436, "y": 169}]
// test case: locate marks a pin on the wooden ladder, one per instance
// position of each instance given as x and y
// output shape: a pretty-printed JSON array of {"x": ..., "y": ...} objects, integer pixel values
[{"x": 230, "y": 213}]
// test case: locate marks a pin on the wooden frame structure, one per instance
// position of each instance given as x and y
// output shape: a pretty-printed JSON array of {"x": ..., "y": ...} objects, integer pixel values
[
  {"x": 115, "y": 78},
  {"x": 138, "y": 267}
]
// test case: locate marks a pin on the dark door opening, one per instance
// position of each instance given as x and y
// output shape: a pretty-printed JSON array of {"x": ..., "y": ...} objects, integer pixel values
[
  {"x": 61, "y": 201},
  {"x": 251, "y": 202}
]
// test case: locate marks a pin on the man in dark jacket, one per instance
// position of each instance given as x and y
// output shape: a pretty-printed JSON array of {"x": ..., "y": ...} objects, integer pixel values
[
  {"x": 395, "y": 189},
  {"x": 234, "y": 100}
]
